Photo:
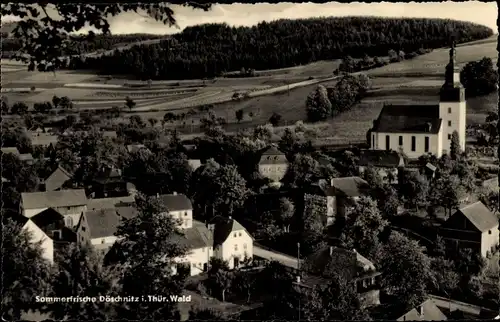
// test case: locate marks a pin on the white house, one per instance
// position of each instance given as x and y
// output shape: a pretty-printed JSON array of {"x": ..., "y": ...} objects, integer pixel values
[
  {"x": 179, "y": 208},
  {"x": 421, "y": 129},
  {"x": 38, "y": 235},
  {"x": 69, "y": 203},
  {"x": 232, "y": 242}
]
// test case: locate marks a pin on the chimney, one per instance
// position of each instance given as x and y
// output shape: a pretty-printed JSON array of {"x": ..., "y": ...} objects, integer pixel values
[
  {"x": 174, "y": 193},
  {"x": 331, "y": 250},
  {"x": 298, "y": 279}
]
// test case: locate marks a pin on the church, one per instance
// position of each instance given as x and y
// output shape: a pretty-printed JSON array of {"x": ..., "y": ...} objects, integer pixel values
[{"x": 421, "y": 129}]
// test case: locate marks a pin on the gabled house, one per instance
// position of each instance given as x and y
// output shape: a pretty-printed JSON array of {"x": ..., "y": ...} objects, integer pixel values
[
  {"x": 57, "y": 179},
  {"x": 385, "y": 163},
  {"x": 53, "y": 225},
  {"x": 25, "y": 157},
  {"x": 42, "y": 139},
  {"x": 351, "y": 266},
  {"x": 334, "y": 198},
  {"x": 194, "y": 164},
  {"x": 99, "y": 226},
  {"x": 473, "y": 226},
  {"x": 38, "y": 236},
  {"x": 69, "y": 203},
  {"x": 179, "y": 207},
  {"x": 427, "y": 311},
  {"x": 273, "y": 164},
  {"x": 109, "y": 183}
]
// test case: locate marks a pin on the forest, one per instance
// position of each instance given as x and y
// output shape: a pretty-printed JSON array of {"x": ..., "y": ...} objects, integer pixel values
[{"x": 209, "y": 50}]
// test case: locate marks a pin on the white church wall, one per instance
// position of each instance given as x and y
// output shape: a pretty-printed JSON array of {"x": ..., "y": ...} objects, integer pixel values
[{"x": 435, "y": 145}]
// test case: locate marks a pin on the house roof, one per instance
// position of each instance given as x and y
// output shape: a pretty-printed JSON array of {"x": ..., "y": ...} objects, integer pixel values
[
  {"x": 194, "y": 163},
  {"x": 480, "y": 216},
  {"x": 491, "y": 184},
  {"x": 430, "y": 166},
  {"x": 57, "y": 178},
  {"x": 272, "y": 155},
  {"x": 176, "y": 202},
  {"x": 427, "y": 311},
  {"x": 43, "y": 139},
  {"x": 408, "y": 119},
  {"x": 223, "y": 227},
  {"x": 380, "y": 158},
  {"x": 12, "y": 150},
  {"x": 109, "y": 203},
  {"x": 196, "y": 237},
  {"x": 104, "y": 222},
  {"x": 26, "y": 157},
  {"x": 350, "y": 186},
  {"x": 46, "y": 217},
  {"x": 136, "y": 147},
  {"x": 109, "y": 134},
  {"x": 47, "y": 199}
]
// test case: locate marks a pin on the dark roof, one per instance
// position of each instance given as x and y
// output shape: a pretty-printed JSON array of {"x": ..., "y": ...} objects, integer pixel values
[
  {"x": 223, "y": 227},
  {"x": 47, "y": 199},
  {"x": 427, "y": 311},
  {"x": 104, "y": 223},
  {"x": 47, "y": 217},
  {"x": 196, "y": 237},
  {"x": 408, "y": 118},
  {"x": 480, "y": 216},
  {"x": 350, "y": 186},
  {"x": 381, "y": 158},
  {"x": 108, "y": 203},
  {"x": 176, "y": 202},
  {"x": 272, "y": 155},
  {"x": 57, "y": 179},
  {"x": 430, "y": 166},
  {"x": 50, "y": 219}
]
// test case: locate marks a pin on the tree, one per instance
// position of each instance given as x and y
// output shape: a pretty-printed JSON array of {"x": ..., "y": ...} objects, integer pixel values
[
  {"x": 455, "y": 149},
  {"x": 25, "y": 273},
  {"x": 287, "y": 210},
  {"x": 223, "y": 279},
  {"x": 144, "y": 256},
  {"x": 447, "y": 280},
  {"x": 46, "y": 41},
  {"x": 318, "y": 105},
  {"x": 447, "y": 192},
  {"x": 245, "y": 283},
  {"x": 479, "y": 77},
  {"x": 66, "y": 103},
  {"x": 363, "y": 226},
  {"x": 302, "y": 171},
  {"x": 19, "y": 108},
  {"x": 275, "y": 119},
  {"x": 406, "y": 268},
  {"x": 129, "y": 103},
  {"x": 239, "y": 115},
  {"x": 414, "y": 188},
  {"x": 55, "y": 101}
]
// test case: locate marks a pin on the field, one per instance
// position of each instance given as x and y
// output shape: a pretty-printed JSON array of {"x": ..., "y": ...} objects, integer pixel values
[{"x": 413, "y": 81}]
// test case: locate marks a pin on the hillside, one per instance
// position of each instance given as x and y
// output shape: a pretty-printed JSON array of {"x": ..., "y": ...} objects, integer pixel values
[{"x": 212, "y": 49}]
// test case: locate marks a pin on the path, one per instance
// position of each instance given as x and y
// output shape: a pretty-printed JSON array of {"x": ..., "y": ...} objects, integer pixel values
[{"x": 268, "y": 254}]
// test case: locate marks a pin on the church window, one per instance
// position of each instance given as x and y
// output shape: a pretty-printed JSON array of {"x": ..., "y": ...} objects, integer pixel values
[
  {"x": 449, "y": 123},
  {"x": 400, "y": 140},
  {"x": 387, "y": 142},
  {"x": 426, "y": 144},
  {"x": 413, "y": 143},
  {"x": 449, "y": 110}
]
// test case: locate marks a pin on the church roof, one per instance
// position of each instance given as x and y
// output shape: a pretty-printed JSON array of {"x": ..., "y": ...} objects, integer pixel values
[{"x": 408, "y": 119}]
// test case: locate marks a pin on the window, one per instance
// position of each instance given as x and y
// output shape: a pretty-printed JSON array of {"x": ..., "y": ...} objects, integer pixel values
[
  {"x": 236, "y": 247},
  {"x": 413, "y": 143},
  {"x": 239, "y": 234},
  {"x": 426, "y": 144},
  {"x": 489, "y": 232},
  {"x": 102, "y": 241},
  {"x": 56, "y": 234},
  {"x": 244, "y": 246},
  {"x": 83, "y": 228},
  {"x": 387, "y": 142},
  {"x": 449, "y": 123},
  {"x": 185, "y": 214},
  {"x": 400, "y": 140},
  {"x": 69, "y": 222},
  {"x": 449, "y": 110},
  {"x": 449, "y": 136},
  {"x": 234, "y": 235}
]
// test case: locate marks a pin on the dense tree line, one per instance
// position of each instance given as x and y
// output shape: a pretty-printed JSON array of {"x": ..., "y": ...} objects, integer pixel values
[
  {"x": 479, "y": 77},
  {"x": 84, "y": 44},
  {"x": 211, "y": 49}
]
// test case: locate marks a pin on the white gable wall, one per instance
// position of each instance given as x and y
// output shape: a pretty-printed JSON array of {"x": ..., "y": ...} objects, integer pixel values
[
  {"x": 237, "y": 246},
  {"x": 489, "y": 239},
  {"x": 435, "y": 143},
  {"x": 457, "y": 118},
  {"x": 37, "y": 235},
  {"x": 197, "y": 259},
  {"x": 185, "y": 216}
]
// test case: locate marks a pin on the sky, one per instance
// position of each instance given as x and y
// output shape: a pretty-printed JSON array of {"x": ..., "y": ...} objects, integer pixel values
[{"x": 250, "y": 14}]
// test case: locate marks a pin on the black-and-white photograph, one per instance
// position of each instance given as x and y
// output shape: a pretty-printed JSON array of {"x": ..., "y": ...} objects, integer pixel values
[{"x": 250, "y": 161}]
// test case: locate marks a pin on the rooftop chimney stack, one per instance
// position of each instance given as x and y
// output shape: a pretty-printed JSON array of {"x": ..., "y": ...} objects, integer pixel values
[{"x": 331, "y": 250}]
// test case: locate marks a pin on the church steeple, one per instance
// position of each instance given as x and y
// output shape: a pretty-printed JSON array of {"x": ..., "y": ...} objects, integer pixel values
[{"x": 452, "y": 88}]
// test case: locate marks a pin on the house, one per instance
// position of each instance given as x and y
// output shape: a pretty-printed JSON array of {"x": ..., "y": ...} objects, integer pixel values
[
  {"x": 12, "y": 150},
  {"x": 53, "y": 225},
  {"x": 57, "y": 179},
  {"x": 351, "y": 266},
  {"x": 232, "y": 242},
  {"x": 109, "y": 134},
  {"x": 427, "y": 311},
  {"x": 99, "y": 226},
  {"x": 26, "y": 157},
  {"x": 473, "y": 226},
  {"x": 273, "y": 164},
  {"x": 385, "y": 163},
  {"x": 69, "y": 203},
  {"x": 179, "y": 207},
  {"x": 42, "y": 139},
  {"x": 109, "y": 183},
  {"x": 132, "y": 148},
  {"x": 194, "y": 164},
  {"x": 421, "y": 129},
  {"x": 333, "y": 199},
  {"x": 38, "y": 236},
  {"x": 491, "y": 184}
]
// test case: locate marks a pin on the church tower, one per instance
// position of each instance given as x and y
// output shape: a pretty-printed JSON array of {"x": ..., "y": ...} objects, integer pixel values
[{"x": 452, "y": 104}]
